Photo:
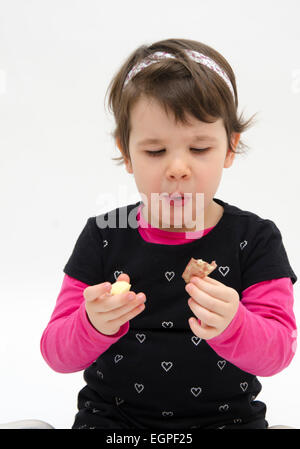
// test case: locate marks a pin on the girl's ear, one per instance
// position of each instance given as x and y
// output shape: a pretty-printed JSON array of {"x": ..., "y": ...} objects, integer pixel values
[
  {"x": 230, "y": 154},
  {"x": 126, "y": 160}
]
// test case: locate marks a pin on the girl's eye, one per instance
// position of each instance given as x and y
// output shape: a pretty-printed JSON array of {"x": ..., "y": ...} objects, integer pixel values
[
  {"x": 157, "y": 153},
  {"x": 154, "y": 153},
  {"x": 199, "y": 150}
]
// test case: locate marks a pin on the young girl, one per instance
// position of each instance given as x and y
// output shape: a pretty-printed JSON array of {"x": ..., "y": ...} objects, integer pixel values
[{"x": 171, "y": 355}]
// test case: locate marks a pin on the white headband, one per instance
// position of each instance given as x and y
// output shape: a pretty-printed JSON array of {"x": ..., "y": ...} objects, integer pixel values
[{"x": 196, "y": 56}]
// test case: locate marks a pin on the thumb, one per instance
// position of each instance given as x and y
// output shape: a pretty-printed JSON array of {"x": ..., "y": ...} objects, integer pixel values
[{"x": 94, "y": 291}]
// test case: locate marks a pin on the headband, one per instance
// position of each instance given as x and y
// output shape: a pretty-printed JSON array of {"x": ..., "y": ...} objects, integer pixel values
[{"x": 194, "y": 55}]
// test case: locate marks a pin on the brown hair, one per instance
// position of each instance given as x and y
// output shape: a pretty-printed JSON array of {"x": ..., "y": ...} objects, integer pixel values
[{"x": 180, "y": 86}]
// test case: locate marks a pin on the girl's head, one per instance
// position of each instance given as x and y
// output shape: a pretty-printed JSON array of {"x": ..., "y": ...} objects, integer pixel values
[{"x": 172, "y": 101}]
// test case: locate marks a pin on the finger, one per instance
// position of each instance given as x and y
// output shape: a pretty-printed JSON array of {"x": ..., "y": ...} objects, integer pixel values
[
  {"x": 124, "y": 310},
  {"x": 127, "y": 316},
  {"x": 94, "y": 291},
  {"x": 207, "y": 301},
  {"x": 123, "y": 277},
  {"x": 210, "y": 318},
  {"x": 108, "y": 303},
  {"x": 114, "y": 313},
  {"x": 212, "y": 287},
  {"x": 212, "y": 281},
  {"x": 201, "y": 332}
]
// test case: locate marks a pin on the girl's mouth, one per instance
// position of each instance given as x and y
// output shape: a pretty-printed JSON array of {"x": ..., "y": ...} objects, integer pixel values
[{"x": 177, "y": 201}]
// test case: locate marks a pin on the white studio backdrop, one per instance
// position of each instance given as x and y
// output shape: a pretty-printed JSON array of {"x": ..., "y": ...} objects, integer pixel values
[{"x": 56, "y": 60}]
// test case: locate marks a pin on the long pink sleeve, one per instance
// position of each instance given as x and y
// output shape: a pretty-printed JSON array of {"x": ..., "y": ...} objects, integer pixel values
[
  {"x": 70, "y": 343},
  {"x": 261, "y": 338}
]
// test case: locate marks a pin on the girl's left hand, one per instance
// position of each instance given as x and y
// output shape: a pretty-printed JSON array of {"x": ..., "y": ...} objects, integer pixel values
[{"x": 213, "y": 303}]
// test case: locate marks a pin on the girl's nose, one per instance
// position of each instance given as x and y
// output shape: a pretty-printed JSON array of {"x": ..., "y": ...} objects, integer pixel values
[{"x": 178, "y": 170}]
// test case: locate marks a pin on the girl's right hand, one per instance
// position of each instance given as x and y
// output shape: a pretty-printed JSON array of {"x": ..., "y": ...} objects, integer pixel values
[{"x": 107, "y": 313}]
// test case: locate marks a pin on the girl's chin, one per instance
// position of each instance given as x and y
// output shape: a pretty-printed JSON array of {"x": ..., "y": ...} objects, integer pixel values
[
  {"x": 181, "y": 218},
  {"x": 176, "y": 223}
]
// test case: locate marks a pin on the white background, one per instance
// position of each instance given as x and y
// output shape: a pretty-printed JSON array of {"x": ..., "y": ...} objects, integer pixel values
[{"x": 56, "y": 60}]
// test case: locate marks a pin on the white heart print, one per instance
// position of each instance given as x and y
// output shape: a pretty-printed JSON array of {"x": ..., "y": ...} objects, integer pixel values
[
  {"x": 119, "y": 401},
  {"x": 243, "y": 244},
  {"x": 224, "y": 408},
  {"x": 118, "y": 357},
  {"x": 169, "y": 275},
  {"x": 196, "y": 340},
  {"x": 117, "y": 274},
  {"x": 244, "y": 386},
  {"x": 224, "y": 270},
  {"x": 196, "y": 391},
  {"x": 139, "y": 387},
  {"x": 221, "y": 364},
  {"x": 167, "y": 324},
  {"x": 166, "y": 365},
  {"x": 237, "y": 420},
  {"x": 141, "y": 337}
]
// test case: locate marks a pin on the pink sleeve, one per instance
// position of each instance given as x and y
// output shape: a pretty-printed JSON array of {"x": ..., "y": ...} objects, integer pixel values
[
  {"x": 261, "y": 338},
  {"x": 70, "y": 343}
]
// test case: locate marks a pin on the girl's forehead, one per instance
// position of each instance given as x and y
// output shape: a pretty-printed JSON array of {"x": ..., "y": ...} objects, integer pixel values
[
  {"x": 151, "y": 125},
  {"x": 149, "y": 110}
]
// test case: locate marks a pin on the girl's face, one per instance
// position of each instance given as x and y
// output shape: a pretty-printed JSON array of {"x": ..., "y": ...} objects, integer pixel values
[{"x": 178, "y": 167}]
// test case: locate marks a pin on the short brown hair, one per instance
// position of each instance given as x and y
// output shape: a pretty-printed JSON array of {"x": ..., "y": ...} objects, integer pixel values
[{"x": 180, "y": 86}]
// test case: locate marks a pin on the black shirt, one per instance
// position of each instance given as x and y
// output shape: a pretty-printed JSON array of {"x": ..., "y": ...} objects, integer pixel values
[{"x": 159, "y": 374}]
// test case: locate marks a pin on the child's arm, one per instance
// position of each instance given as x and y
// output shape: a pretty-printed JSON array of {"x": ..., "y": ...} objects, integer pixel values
[
  {"x": 70, "y": 343},
  {"x": 261, "y": 338}
]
